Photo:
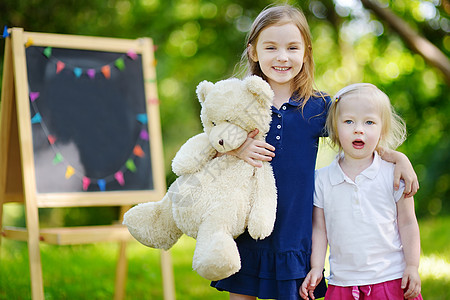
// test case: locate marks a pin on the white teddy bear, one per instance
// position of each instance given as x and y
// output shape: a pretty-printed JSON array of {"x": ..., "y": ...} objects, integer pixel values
[{"x": 215, "y": 198}]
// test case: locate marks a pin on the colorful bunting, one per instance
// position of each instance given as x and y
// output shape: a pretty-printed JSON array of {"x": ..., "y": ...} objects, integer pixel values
[
  {"x": 144, "y": 135},
  {"x": 34, "y": 96},
  {"x": 77, "y": 72},
  {"x": 153, "y": 101},
  {"x": 57, "y": 159},
  {"x": 91, "y": 73},
  {"x": 101, "y": 184},
  {"x": 29, "y": 42},
  {"x": 138, "y": 151},
  {"x": 48, "y": 52},
  {"x": 106, "y": 70},
  {"x": 86, "y": 183},
  {"x": 60, "y": 66},
  {"x": 5, "y": 32},
  {"x": 119, "y": 177},
  {"x": 36, "y": 119},
  {"x": 130, "y": 165},
  {"x": 132, "y": 54},
  {"x": 142, "y": 118},
  {"x": 69, "y": 171},
  {"x": 120, "y": 64},
  {"x": 51, "y": 139}
]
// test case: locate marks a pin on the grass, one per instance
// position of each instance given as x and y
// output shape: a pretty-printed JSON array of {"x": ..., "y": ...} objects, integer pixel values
[{"x": 88, "y": 271}]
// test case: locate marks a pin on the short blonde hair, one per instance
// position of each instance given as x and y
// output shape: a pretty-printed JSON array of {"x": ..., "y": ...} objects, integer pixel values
[
  {"x": 393, "y": 131},
  {"x": 280, "y": 15}
]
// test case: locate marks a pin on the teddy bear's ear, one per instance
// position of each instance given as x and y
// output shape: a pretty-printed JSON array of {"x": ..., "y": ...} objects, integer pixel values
[
  {"x": 259, "y": 87},
  {"x": 203, "y": 89}
]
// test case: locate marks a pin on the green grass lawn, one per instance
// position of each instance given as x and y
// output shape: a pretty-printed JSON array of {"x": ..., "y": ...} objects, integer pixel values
[{"x": 88, "y": 271}]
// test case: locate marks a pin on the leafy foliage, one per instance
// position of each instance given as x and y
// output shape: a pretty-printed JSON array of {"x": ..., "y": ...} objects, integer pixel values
[{"x": 200, "y": 39}]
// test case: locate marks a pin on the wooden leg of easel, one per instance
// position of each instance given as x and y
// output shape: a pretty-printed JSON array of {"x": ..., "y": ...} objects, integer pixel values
[
  {"x": 167, "y": 276},
  {"x": 34, "y": 253},
  {"x": 121, "y": 272}
]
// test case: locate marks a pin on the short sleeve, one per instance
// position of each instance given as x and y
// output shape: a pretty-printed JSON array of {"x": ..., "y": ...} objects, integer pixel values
[
  {"x": 318, "y": 190},
  {"x": 399, "y": 193}
]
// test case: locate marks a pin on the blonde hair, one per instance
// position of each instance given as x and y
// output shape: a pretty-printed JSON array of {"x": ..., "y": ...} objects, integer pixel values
[
  {"x": 393, "y": 128},
  {"x": 279, "y": 15}
]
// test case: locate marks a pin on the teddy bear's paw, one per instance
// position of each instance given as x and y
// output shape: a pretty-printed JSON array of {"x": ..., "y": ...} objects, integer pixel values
[
  {"x": 216, "y": 259},
  {"x": 152, "y": 225},
  {"x": 217, "y": 269}
]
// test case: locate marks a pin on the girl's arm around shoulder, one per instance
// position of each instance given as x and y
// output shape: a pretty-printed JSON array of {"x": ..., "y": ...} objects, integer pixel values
[
  {"x": 403, "y": 170},
  {"x": 410, "y": 237}
]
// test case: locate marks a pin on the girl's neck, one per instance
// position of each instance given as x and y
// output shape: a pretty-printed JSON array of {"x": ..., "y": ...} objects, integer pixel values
[
  {"x": 353, "y": 167},
  {"x": 282, "y": 93}
]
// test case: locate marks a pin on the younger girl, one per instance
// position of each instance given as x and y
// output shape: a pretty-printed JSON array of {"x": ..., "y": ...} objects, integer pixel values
[
  {"x": 279, "y": 50},
  {"x": 371, "y": 228}
]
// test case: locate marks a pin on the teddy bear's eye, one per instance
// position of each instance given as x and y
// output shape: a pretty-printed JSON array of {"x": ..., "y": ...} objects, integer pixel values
[
  {"x": 228, "y": 121},
  {"x": 214, "y": 124}
]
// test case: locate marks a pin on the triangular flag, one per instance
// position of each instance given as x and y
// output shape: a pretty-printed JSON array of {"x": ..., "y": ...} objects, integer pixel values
[
  {"x": 77, "y": 72},
  {"x": 153, "y": 101},
  {"x": 91, "y": 73},
  {"x": 51, "y": 139},
  {"x": 143, "y": 135},
  {"x": 48, "y": 52},
  {"x": 119, "y": 177},
  {"x": 138, "y": 151},
  {"x": 69, "y": 172},
  {"x": 5, "y": 32},
  {"x": 36, "y": 119},
  {"x": 132, "y": 54},
  {"x": 29, "y": 42},
  {"x": 34, "y": 96},
  {"x": 106, "y": 70},
  {"x": 86, "y": 183},
  {"x": 130, "y": 165},
  {"x": 120, "y": 64},
  {"x": 142, "y": 118},
  {"x": 101, "y": 184},
  {"x": 60, "y": 66},
  {"x": 57, "y": 159}
]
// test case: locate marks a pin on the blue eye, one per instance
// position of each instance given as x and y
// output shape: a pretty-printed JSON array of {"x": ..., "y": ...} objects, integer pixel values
[
  {"x": 370, "y": 122},
  {"x": 348, "y": 121}
]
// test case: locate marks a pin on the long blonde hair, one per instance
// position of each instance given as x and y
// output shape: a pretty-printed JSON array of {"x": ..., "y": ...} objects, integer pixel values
[
  {"x": 393, "y": 130},
  {"x": 278, "y": 15}
]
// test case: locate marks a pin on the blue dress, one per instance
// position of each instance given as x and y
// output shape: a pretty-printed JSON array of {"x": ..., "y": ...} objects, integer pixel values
[{"x": 274, "y": 268}]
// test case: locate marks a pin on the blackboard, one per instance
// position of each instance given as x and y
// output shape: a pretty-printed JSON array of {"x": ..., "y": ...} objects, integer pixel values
[
  {"x": 87, "y": 128},
  {"x": 85, "y": 124}
]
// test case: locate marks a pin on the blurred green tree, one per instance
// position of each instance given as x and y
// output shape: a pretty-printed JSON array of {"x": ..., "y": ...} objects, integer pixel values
[{"x": 202, "y": 40}]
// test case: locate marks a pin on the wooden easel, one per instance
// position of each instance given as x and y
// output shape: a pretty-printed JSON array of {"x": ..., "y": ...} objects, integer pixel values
[{"x": 17, "y": 173}]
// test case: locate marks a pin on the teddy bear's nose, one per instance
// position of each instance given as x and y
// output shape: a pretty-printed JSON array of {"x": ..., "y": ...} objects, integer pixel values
[{"x": 221, "y": 142}]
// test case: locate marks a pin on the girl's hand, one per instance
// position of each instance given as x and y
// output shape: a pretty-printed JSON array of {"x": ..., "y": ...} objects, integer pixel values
[
  {"x": 403, "y": 170},
  {"x": 310, "y": 283},
  {"x": 411, "y": 282},
  {"x": 253, "y": 151}
]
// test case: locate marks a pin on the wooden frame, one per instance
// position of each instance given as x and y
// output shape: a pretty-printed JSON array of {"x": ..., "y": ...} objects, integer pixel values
[{"x": 17, "y": 173}]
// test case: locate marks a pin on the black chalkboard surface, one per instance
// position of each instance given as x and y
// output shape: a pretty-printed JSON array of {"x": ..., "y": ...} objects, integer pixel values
[{"x": 89, "y": 120}]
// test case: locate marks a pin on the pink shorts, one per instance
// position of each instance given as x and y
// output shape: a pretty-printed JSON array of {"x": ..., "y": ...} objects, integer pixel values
[{"x": 388, "y": 290}]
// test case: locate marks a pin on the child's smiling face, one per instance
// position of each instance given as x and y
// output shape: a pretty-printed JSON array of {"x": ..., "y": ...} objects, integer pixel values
[
  {"x": 359, "y": 126},
  {"x": 279, "y": 50}
]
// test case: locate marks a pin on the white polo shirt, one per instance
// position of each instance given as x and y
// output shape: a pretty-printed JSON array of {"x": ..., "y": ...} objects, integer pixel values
[{"x": 361, "y": 223}]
